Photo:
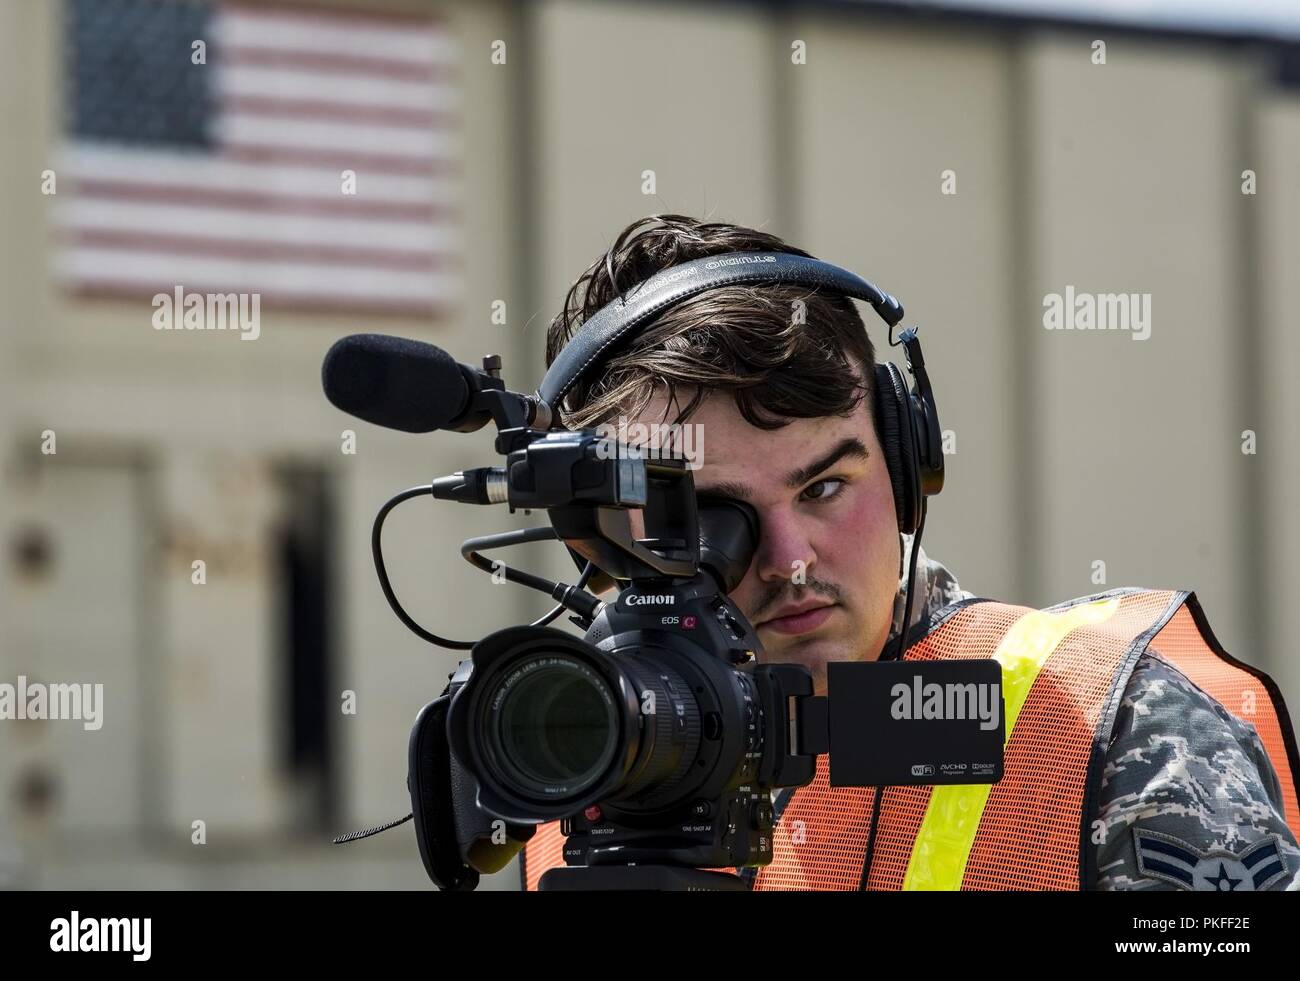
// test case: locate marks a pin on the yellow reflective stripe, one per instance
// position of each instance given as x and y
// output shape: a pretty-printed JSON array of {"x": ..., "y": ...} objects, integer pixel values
[{"x": 947, "y": 832}]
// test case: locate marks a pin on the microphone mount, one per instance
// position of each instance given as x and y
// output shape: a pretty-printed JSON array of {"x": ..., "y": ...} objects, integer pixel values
[{"x": 490, "y": 399}]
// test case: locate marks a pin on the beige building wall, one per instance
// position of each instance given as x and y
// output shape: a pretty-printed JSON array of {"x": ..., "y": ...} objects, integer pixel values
[
  {"x": 1270, "y": 571},
  {"x": 197, "y": 421},
  {"x": 1134, "y": 444}
]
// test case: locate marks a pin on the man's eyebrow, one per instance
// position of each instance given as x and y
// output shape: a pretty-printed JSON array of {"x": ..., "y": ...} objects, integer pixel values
[{"x": 849, "y": 447}]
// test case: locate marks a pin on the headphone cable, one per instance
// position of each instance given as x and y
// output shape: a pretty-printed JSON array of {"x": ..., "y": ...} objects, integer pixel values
[{"x": 876, "y": 793}]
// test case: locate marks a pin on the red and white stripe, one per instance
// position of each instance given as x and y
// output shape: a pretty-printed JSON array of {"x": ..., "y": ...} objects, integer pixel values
[{"x": 301, "y": 96}]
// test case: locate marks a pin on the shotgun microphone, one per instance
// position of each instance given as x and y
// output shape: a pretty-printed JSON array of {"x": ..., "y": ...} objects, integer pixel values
[{"x": 410, "y": 386}]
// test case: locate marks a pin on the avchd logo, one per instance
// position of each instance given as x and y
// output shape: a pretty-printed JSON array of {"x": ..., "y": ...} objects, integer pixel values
[{"x": 651, "y": 599}]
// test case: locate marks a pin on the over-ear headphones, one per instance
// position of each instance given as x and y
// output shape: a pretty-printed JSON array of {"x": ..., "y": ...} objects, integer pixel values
[{"x": 907, "y": 423}]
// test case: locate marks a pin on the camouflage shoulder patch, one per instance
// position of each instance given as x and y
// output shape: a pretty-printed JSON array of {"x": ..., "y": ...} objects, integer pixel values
[
  {"x": 1163, "y": 856},
  {"x": 1188, "y": 789}
]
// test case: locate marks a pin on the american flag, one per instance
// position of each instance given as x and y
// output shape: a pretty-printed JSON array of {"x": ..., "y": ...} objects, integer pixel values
[{"x": 229, "y": 175}]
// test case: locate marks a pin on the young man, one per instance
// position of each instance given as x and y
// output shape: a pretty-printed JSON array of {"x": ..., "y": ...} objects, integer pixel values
[{"x": 1188, "y": 798}]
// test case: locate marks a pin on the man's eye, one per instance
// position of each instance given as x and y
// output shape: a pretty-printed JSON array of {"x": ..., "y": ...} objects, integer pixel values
[{"x": 812, "y": 493}]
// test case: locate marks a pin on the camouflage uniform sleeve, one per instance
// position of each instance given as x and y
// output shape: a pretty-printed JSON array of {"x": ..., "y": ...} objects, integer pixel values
[
  {"x": 936, "y": 587},
  {"x": 1189, "y": 797}
]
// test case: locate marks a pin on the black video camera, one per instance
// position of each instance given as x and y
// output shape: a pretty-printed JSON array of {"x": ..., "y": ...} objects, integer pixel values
[{"x": 657, "y": 737}]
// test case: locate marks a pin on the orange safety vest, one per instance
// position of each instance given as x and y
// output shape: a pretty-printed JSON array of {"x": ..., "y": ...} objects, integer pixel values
[{"x": 1064, "y": 671}]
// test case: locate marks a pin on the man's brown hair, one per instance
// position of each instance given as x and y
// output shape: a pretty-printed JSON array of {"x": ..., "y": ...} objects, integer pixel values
[{"x": 742, "y": 339}]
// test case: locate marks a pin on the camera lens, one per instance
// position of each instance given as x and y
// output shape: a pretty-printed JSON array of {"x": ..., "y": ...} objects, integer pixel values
[
  {"x": 553, "y": 726},
  {"x": 550, "y": 723}
]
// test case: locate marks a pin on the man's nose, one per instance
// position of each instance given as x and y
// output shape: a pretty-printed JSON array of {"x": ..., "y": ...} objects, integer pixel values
[{"x": 784, "y": 548}]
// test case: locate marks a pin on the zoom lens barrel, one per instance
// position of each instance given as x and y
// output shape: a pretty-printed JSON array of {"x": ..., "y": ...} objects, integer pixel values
[{"x": 552, "y": 722}]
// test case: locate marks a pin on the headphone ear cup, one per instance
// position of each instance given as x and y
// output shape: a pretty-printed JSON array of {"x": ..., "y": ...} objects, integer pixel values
[{"x": 894, "y": 431}]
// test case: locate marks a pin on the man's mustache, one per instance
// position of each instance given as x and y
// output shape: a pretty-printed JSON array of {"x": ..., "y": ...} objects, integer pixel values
[{"x": 788, "y": 593}]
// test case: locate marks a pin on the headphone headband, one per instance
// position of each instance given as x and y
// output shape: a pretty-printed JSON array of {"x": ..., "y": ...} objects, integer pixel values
[{"x": 620, "y": 317}]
